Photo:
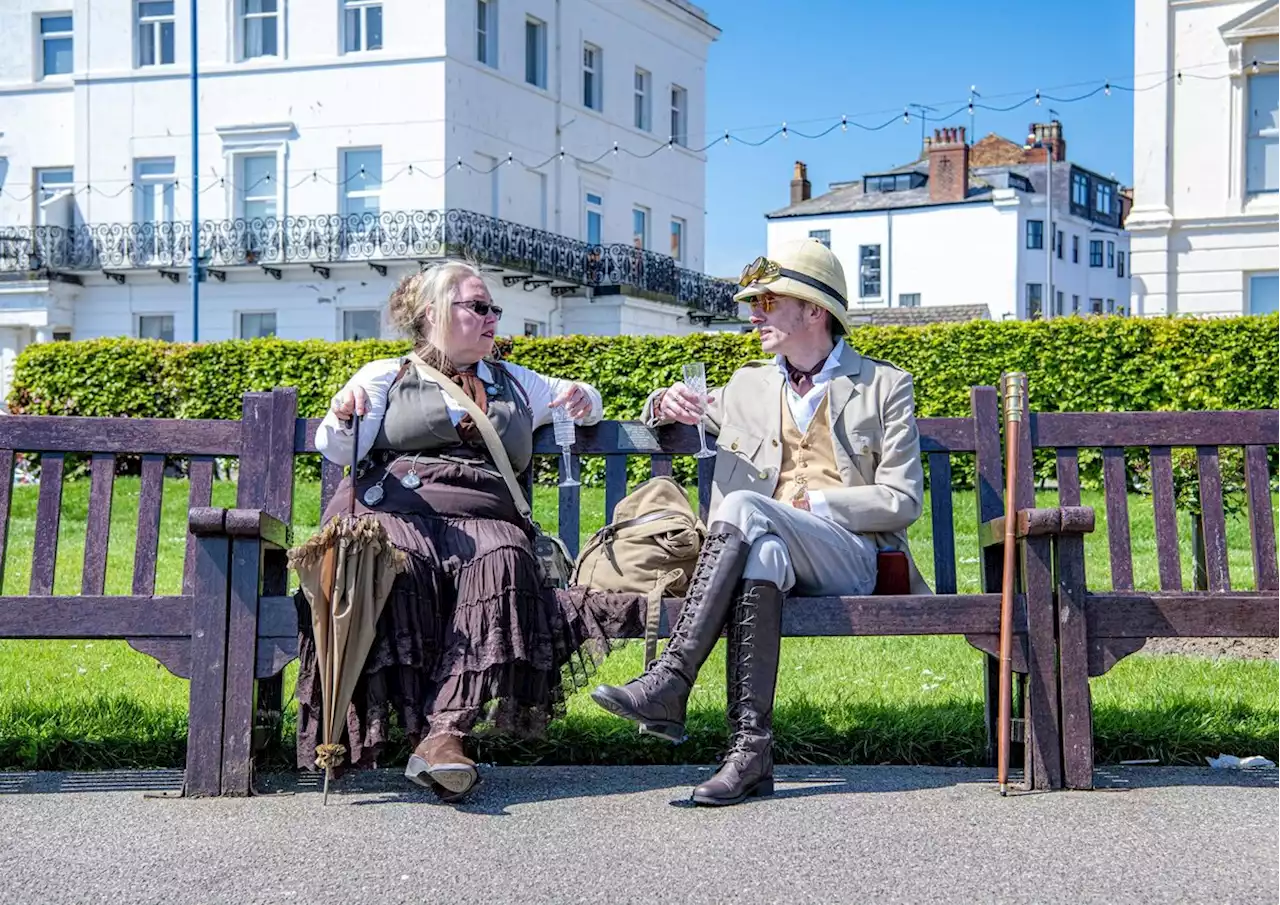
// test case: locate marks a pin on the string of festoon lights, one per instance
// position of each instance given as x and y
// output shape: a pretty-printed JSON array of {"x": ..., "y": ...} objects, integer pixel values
[{"x": 784, "y": 131}]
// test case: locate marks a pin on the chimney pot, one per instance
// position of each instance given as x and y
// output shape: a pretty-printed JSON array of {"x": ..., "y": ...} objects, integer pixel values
[{"x": 949, "y": 166}]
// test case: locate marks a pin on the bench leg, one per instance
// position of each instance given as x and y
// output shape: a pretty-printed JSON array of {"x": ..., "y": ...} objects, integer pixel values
[
  {"x": 1073, "y": 666},
  {"x": 208, "y": 666},
  {"x": 1043, "y": 728},
  {"x": 991, "y": 704},
  {"x": 242, "y": 655}
]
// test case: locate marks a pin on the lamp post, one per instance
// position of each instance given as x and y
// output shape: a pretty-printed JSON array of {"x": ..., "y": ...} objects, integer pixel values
[
  {"x": 1047, "y": 302},
  {"x": 195, "y": 178}
]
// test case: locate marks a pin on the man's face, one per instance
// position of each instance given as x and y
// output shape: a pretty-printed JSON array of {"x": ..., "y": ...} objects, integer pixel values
[{"x": 779, "y": 319}]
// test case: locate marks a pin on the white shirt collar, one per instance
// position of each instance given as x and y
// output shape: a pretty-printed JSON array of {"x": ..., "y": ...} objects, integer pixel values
[{"x": 832, "y": 362}]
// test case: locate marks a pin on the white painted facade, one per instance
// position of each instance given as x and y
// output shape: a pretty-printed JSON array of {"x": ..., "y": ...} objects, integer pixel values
[
  {"x": 971, "y": 253},
  {"x": 1206, "y": 158},
  {"x": 302, "y": 110}
]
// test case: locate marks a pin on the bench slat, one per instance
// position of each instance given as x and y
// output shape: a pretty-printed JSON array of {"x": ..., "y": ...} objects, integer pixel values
[
  {"x": 944, "y": 536},
  {"x": 1073, "y": 640},
  {"x": 1213, "y": 519},
  {"x": 1237, "y": 614},
  {"x": 570, "y": 500},
  {"x": 97, "y": 529},
  {"x": 1144, "y": 429},
  {"x": 149, "y": 502},
  {"x": 1068, "y": 462},
  {"x": 615, "y": 484},
  {"x": 1262, "y": 522},
  {"x": 175, "y": 437},
  {"x": 1113, "y": 478},
  {"x": 48, "y": 514},
  {"x": 199, "y": 494},
  {"x": 1166, "y": 516},
  {"x": 660, "y": 466},
  {"x": 706, "y": 470},
  {"x": 330, "y": 477},
  {"x": 87, "y": 616},
  {"x": 6, "y": 495}
]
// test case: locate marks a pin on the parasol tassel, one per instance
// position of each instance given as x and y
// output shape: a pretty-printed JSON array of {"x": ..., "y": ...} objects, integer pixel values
[{"x": 329, "y": 756}]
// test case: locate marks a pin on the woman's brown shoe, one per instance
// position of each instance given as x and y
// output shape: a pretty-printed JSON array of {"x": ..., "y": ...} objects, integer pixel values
[{"x": 439, "y": 763}]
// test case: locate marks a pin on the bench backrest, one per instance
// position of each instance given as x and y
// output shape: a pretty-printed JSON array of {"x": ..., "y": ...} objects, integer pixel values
[
  {"x": 616, "y": 441},
  {"x": 1152, "y": 437}
]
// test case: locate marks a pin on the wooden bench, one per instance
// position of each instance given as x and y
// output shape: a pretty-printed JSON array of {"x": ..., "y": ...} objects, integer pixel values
[
  {"x": 1096, "y": 628},
  {"x": 234, "y": 628}
]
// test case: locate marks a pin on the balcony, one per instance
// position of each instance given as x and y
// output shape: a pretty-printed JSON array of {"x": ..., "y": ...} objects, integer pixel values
[{"x": 520, "y": 254}]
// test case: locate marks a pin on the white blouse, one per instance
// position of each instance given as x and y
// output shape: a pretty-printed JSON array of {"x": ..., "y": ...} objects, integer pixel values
[{"x": 334, "y": 441}]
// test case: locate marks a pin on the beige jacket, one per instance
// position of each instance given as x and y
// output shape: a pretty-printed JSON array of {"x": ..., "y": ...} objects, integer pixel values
[{"x": 876, "y": 442}]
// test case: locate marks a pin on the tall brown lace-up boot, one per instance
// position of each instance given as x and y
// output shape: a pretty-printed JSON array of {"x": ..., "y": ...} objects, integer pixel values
[
  {"x": 659, "y": 697},
  {"x": 755, "y": 641}
]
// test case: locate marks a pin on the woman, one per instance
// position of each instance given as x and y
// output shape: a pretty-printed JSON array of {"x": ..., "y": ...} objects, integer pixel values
[{"x": 469, "y": 637}]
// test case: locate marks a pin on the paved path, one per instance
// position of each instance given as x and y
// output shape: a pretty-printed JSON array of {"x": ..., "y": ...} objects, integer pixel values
[{"x": 607, "y": 835}]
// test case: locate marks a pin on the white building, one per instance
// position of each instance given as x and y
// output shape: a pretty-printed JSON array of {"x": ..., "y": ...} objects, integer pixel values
[
  {"x": 965, "y": 226},
  {"x": 343, "y": 143},
  {"x": 1206, "y": 157}
]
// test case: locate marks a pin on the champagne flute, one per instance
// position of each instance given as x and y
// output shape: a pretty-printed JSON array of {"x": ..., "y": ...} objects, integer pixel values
[
  {"x": 695, "y": 378},
  {"x": 566, "y": 435}
]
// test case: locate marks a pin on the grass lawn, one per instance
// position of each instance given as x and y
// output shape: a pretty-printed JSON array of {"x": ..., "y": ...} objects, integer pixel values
[{"x": 77, "y": 705}]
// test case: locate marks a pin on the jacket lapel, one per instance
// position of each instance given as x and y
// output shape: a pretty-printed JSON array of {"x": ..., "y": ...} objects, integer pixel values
[{"x": 844, "y": 384}]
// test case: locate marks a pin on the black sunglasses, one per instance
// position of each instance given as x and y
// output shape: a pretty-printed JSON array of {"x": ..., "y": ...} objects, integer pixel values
[{"x": 482, "y": 308}]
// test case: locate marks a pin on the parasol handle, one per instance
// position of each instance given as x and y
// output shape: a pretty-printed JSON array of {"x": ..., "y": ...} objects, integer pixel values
[{"x": 355, "y": 460}]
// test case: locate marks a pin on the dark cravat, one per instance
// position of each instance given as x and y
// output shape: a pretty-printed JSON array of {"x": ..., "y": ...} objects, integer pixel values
[{"x": 801, "y": 380}]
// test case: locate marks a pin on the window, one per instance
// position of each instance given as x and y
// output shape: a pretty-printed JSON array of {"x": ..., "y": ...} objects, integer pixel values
[
  {"x": 1035, "y": 234},
  {"x": 1111, "y": 306},
  {"x": 1080, "y": 190},
  {"x": 1103, "y": 194},
  {"x": 62, "y": 336},
  {"x": 1057, "y": 304},
  {"x": 1095, "y": 306},
  {"x": 51, "y": 182},
  {"x": 535, "y": 52},
  {"x": 1095, "y": 252},
  {"x": 356, "y": 325},
  {"x": 899, "y": 182},
  {"x": 155, "y": 32},
  {"x": 361, "y": 183},
  {"x": 1057, "y": 243},
  {"x": 361, "y": 25},
  {"x": 869, "y": 271},
  {"x": 154, "y": 187},
  {"x": 594, "y": 208},
  {"x": 677, "y": 239},
  {"x": 1120, "y": 263},
  {"x": 822, "y": 235},
  {"x": 155, "y": 326},
  {"x": 534, "y": 329},
  {"x": 1262, "y": 166},
  {"x": 55, "y": 45},
  {"x": 1111, "y": 255},
  {"x": 679, "y": 115},
  {"x": 1075, "y": 304},
  {"x": 259, "y": 28},
  {"x": 644, "y": 101},
  {"x": 256, "y": 186},
  {"x": 487, "y": 32},
  {"x": 257, "y": 325},
  {"x": 640, "y": 227},
  {"x": 1264, "y": 293},
  {"x": 1035, "y": 301},
  {"x": 1075, "y": 249},
  {"x": 909, "y": 300},
  {"x": 592, "y": 63}
]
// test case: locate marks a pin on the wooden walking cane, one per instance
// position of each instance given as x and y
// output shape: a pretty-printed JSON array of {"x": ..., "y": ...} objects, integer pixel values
[{"x": 1015, "y": 393}]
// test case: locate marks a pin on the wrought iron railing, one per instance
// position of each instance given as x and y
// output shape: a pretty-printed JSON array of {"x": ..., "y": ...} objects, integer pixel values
[{"x": 389, "y": 236}]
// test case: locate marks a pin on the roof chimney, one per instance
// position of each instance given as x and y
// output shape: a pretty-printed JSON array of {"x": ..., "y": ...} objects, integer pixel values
[
  {"x": 948, "y": 166},
  {"x": 1049, "y": 138},
  {"x": 800, "y": 188}
]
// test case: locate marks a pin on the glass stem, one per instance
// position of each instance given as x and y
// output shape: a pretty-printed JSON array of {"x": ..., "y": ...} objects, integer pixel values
[{"x": 568, "y": 471}]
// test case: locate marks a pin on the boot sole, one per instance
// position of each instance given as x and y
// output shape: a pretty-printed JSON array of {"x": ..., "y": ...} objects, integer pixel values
[
  {"x": 671, "y": 732},
  {"x": 762, "y": 789},
  {"x": 455, "y": 778}
]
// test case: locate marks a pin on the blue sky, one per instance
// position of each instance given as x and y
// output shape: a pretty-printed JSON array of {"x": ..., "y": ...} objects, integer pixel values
[{"x": 820, "y": 59}]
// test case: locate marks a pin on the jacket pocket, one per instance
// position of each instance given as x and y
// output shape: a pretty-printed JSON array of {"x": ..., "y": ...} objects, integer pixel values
[{"x": 736, "y": 448}]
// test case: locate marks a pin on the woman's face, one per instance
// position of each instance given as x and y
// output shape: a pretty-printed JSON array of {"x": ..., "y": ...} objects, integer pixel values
[{"x": 471, "y": 331}]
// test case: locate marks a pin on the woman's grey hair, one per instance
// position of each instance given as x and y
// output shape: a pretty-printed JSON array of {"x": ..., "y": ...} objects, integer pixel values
[{"x": 435, "y": 290}]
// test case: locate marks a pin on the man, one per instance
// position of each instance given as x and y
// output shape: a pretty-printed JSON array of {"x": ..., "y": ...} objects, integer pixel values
[{"x": 818, "y": 469}]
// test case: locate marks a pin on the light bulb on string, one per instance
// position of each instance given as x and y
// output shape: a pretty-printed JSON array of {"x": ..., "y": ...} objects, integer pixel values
[
  {"x": 615, "y": 148},
  {"x": 844, "y": 123},
  {"x": 906, "y": 115},
  {"x": 1179, "y": 76},
  {"x": 1037, "y": 97},
  {"x": 726, "y": 136},
  {"x": 784, "y": 130},
  {"x": 1106, "y": 89}
]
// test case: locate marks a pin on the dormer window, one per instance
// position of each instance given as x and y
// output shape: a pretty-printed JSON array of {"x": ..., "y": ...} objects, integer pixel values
[{"x": 893, "y": 182}]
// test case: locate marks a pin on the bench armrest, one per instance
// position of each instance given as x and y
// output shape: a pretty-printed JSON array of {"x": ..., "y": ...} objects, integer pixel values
[
  {"x": 205, "y": 521},
  {"x": 1039, "y": 522}
]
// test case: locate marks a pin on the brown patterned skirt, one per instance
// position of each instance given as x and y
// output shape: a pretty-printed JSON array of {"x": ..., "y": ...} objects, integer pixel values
[{"x": 469, "y": 641}]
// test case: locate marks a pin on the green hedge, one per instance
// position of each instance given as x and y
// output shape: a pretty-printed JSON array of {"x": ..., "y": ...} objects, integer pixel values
[{"x": 1073, "y": 364}]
